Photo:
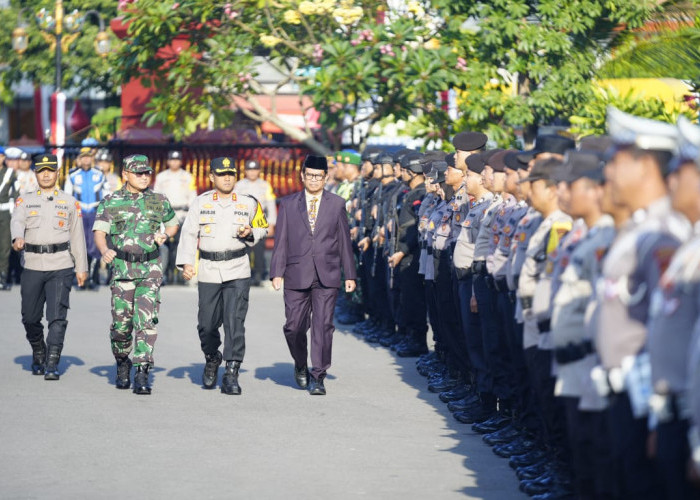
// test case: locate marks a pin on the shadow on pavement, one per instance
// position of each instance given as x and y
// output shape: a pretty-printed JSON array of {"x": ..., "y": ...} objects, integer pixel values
[
  {"x": 63, "y": 366},
  {"x": 109, "y": 372},
  {"x": 194, "y": 373},
  {"x": 479, "y": 460},
  {"x": 280, "y": 374}
]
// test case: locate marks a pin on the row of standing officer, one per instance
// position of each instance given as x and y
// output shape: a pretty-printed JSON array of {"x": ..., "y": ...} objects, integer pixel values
[{"x": 519, "y": 244}]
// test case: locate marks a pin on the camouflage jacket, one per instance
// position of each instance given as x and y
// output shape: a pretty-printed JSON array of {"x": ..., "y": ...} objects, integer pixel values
[{"x": 131, "y": 221}]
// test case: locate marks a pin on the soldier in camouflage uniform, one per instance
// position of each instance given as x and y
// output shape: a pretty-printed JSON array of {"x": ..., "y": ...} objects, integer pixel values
[{"x": 128, "y": 233}]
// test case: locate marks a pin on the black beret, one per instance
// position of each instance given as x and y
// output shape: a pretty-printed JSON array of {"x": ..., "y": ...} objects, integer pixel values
[
  {"x": 383, "y": 158},
  {"x": 252, "y": 165},
  {"x": 469, "y": 141},
  {"x": 174, "y": 155},
  {"x": 497, "y": 160},
  {"x": 413, "y": 162},
  {"x": 513, "y": 162},
  {"x": 476, "y": 163},
  {"x": 369, "y": 154},
  {"x": 45, "y": 161},
  {"x": 450, "y": 160},
  {"x": 223, "y": 165},
  {"x": 315, "y": 162}
]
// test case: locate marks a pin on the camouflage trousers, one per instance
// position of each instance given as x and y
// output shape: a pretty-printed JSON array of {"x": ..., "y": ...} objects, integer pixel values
[{"x": 135, "y": 305}]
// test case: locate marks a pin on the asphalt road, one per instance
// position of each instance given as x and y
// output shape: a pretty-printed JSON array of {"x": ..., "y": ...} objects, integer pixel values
[{"x": 378, "y": 433}]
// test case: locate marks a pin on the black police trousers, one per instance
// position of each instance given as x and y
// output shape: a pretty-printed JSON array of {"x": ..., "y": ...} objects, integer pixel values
[
  {"x": 223, "y": 303},
  {"x": 53, "y": 289}
]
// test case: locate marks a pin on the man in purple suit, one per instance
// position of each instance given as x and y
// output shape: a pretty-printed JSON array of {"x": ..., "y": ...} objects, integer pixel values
[{"x": 312, "y": 245}]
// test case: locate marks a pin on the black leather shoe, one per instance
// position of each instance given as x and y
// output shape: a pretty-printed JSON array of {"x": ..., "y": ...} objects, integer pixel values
[
  {"x": 529, "y": 458},
  {"x": 505, "y": 435},
  {"x": 465, "y": 403},
  {"x": 229, "y": 382},
  {"x": 411, "y": 350},
  {"x": 53, "y": 357},
  {"x": 39, "y": 357},
  {"x": 455, "y": 394},
  {"x": 479, "y": 414},
  {"x": 495, "y": 423},
  {"x": 317, "y": 388},
  {"x": 211, "y": 369},
  {"x": 444, "y": 384},
  {"x": 301, "y": 375},
  {"x": 123, "y": 373},
  {"x": 517, "y": 447},
  {"x": 141, "y": 380},
  {"x": 539, "y": 485},
  {"x": 389, "y": 340},
  {"x": 532, "y": 471}
]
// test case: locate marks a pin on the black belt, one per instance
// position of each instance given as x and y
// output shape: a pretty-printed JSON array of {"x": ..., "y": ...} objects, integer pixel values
[
  {"x": 444, "y": 253},
  {"x": 573, "y": 352},
  {"x": 479, "y": 267},
  {"x": 544, "y": 326},
  {"x": 223, "y": 255},
  {"x": 56, "y": 247},
  {"x": 463, "y": 274},
  {"x": 136, "y": 257}
]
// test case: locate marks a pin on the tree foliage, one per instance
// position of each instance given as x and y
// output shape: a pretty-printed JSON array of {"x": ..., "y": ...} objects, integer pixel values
[
  {"x": 671, "y": 50},
  {"x": 335, "y": 52},
  {"x": 82, "y": 67},
  {"x": 591, "y": 118},
  {"x": 531, "y": 62}
]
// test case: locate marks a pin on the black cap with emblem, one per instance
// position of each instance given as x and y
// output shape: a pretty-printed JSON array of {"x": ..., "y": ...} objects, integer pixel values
[
  {"x": 223, "y": 165},
  {"x": 42, "y": 162}
]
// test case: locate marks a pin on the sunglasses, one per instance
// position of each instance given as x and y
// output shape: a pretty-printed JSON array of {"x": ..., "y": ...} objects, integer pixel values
[{"x": 141, "y": 174}]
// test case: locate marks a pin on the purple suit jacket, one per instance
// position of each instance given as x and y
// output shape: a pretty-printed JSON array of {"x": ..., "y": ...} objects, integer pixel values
[{"x": 297, "y": 252}]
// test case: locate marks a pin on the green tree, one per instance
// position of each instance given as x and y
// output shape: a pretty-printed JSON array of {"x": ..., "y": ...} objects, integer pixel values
[
  {"x": 591, "y": 118},
  {"x": 530, "y": 62},
  {"x": 335, "y": 52},
  {"x": 82, "y": 67},
  {"x": 669, "y": 48}
]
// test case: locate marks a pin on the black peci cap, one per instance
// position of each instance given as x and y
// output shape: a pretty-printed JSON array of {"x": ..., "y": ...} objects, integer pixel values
[{"x": 315, "y": 162}]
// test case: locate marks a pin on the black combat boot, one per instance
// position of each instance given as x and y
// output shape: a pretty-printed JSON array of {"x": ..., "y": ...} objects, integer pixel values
[
  {"x": 229, "y": 382},
  {"x": 123, "y": 373},
  {"x": 53, "y": 356},
  {"x": 38, "y": 357},
  {"x": 211, "y": 370},
  {"x": 141, "y": 380}
]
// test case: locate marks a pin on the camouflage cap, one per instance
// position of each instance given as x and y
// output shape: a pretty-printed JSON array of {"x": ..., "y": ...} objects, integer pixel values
[{"x": 137, "y": 164}]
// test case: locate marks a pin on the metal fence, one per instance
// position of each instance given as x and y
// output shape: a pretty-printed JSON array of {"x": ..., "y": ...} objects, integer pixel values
[{"x": 280, "y": 162}]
